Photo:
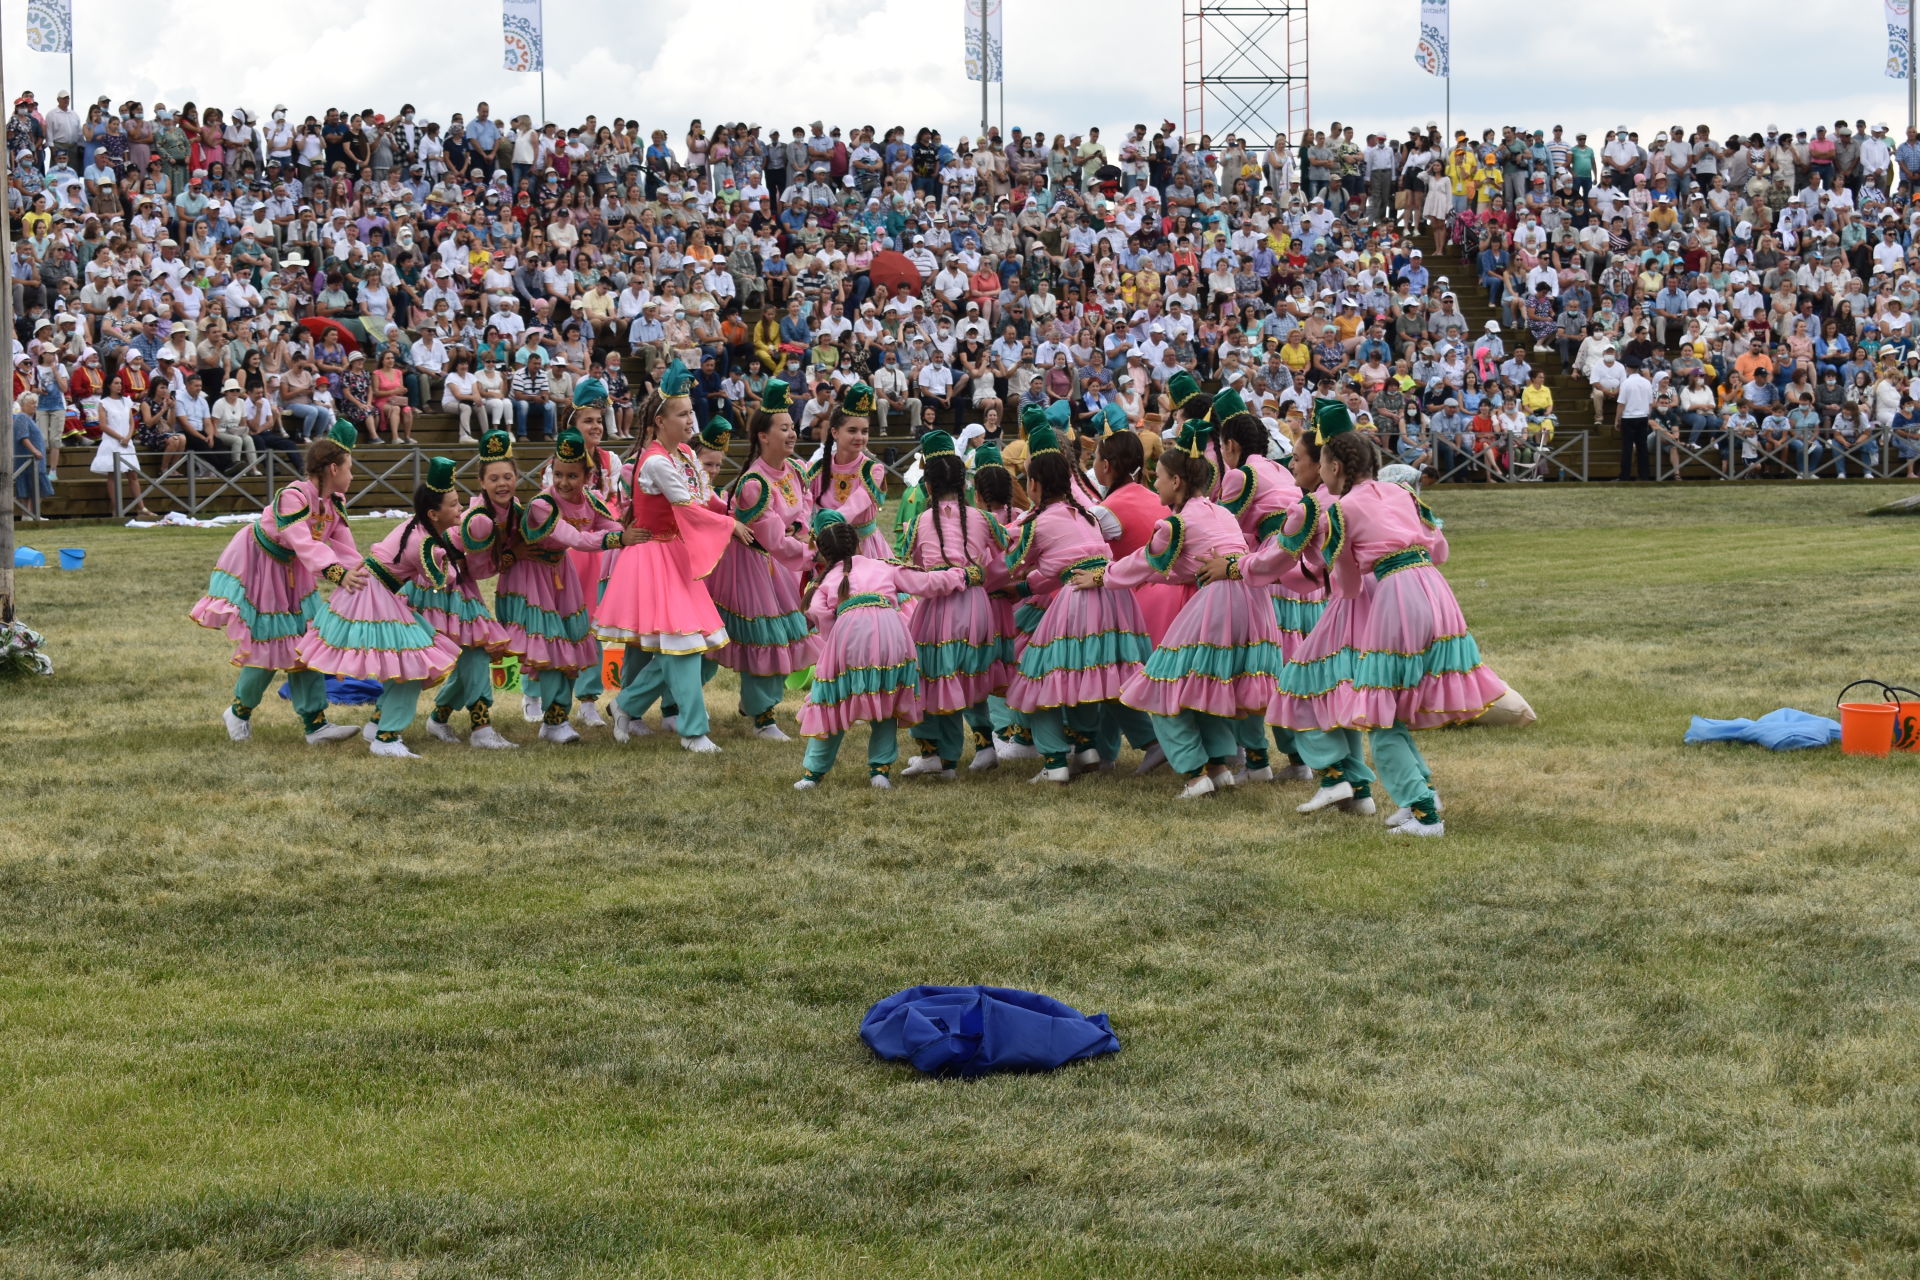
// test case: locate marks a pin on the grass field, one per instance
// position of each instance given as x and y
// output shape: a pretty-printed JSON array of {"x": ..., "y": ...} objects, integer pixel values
[{"x": 1649, "y": 1010}]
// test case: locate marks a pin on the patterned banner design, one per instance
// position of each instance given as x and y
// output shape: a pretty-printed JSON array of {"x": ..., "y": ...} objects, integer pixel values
[
  {"x": 524, "y": 50},
  {"x": 50, "y": 26},
  {"x": 975, "y": 57},
  {"x": 1434, "y": 53},
  {"x": 1899, "y": 42}
]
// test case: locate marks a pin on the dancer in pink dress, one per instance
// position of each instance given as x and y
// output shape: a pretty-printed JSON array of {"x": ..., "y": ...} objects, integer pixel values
[
  {"x": 602, "y": 499},
  {"x": 868, "y": 668},
  {"x": 541, "y": 596},
  {"x": 1392, "y": 652},
  {"x": 1218, "y": 662},
  {"x": 372, "y": 633},
  {"x": 1258, "y": 492},
  {"x": 757, "y": 585},
  {"x": 656, "y": 602},
  {"x": 486, "y": 539},
  {"x": 264, "y": 590},
  {"x": 965, "y": 657},
  {"x": 1086, "y": 644},
  {"x": 848, "y": 479},
  {"x": 997, "y": 493}
]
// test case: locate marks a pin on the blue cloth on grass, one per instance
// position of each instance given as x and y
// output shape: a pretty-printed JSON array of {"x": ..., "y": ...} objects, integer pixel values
[
  {"x": 1782, "y": 730},
  {"x": 346, "y": 692},
  {"x": 970, "y": 1031}
]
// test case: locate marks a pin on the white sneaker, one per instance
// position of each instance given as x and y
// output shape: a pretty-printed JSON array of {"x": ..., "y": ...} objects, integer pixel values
[
  {"x": 590, "y": 716},
  {"x": 1362, "y": 806},
  {"x": 530, "y": 709},
  {"x": 237, "y": 729},
  {"x": 670, "y": 723},
  {"x": 879, "y": 782},
  {"x": 488, "y": 738},
  {"x": 331, "y": 733},
  {"x": 1326, "y": 796},
  {"x": 923, "y": 764},
  {"x": 983, "y": 760},
  {"x": 1403, "y": 813},
  {"x": 466, "y": 438},
  {"x": 559, "y": 734},
  {"x": 1053, "y": 775},
  {"x": 805, "y": 784},
  {"x": 702, "y": 745},
  {"x": 771, "y": 732},
  {"x": 444, "y": 732},
  {"x": 1293, "y": 773},
  {"x": 1081, "y": 761},
  {"x": 1007, "y": 749},
  {"x": 622, "y": 725},
  {"x": 395, "y": 750},
  {"x": 1263, "y": 774},
  {"x": 1415, "y": 827},
  {"x": 370, "y": 730},
  {"x": 1152, "y": 760},
  {"x": 1200, "y": 786},
  {"x": 1223, "y": 777}
]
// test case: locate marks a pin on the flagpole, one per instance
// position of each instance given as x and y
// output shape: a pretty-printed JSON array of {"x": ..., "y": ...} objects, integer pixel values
[
  {"x": 984, "y": 67},
  {"x": 1913, "y": 99}
]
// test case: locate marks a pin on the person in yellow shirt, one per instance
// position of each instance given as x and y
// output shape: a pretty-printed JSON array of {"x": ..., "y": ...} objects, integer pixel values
[
  {"x": 1463, "y": 172},
  {"x": 1296, "y": 354},
  {"x": 1536, "y": 400}
]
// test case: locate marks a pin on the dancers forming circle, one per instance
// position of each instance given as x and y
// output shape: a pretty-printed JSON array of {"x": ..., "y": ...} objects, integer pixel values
[{"x": 1238, "y": 620}]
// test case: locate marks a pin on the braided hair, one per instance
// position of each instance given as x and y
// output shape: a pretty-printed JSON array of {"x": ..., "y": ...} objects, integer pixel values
[
  {"x": 1246, "y": 431},
  {"x": 837, "y": 544},
  {"x": 1357, "y": 454},
  {"x": 946, "y": 477},
  {"x": 1053, "y": 476},
  {"x": 425, "y": 502}
]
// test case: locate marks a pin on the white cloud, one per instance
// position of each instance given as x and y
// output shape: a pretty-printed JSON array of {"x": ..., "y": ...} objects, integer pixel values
[{"x": 1070, "y": 63}]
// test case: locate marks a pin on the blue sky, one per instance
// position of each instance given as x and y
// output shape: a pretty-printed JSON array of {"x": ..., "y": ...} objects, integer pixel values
[{"x": 1070, "y": 63}]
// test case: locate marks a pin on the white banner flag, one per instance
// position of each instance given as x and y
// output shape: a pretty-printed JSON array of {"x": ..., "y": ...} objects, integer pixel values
[
  {"x": 1899, "y": 42},
  {"x": 983, "y": 40},
  {"x": 521, "y": 19},
  {"x": 50, "y": 26},
  {"x": 1434, "y": 54}
]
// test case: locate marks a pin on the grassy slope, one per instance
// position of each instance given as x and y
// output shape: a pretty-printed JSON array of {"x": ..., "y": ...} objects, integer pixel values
[{"x": 1648, "y": 1010}]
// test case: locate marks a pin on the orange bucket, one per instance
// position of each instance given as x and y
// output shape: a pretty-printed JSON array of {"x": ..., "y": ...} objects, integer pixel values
[
  {"x": 611, "y": 658},
  {"x": 1868, "y": 728}
]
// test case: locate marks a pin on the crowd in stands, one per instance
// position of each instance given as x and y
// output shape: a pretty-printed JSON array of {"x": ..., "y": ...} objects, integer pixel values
[{"x": 225, "y": 284}]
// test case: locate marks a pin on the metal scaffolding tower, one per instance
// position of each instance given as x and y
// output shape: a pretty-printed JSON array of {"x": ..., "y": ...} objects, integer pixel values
[{"x": 1244, "y": 68}]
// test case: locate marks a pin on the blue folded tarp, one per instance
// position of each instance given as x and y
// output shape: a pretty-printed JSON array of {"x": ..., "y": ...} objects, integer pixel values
[
  {"x": 346, "y": 692},
  {"x": 1782, "y": 730},
  {"x": 970, "y": 1031}
]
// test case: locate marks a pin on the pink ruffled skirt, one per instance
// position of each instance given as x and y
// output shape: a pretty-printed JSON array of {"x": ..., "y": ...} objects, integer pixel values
[
  {"x": 1086, "y": 647},
  {"x": 1221, "y": 657},
  {"x": 1399, "y": 653},
  {"x": 372, "y": 634}
]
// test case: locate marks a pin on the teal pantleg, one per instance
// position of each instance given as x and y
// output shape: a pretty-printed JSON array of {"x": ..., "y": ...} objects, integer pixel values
[
  {"x": 1250, "y": 731},
  {"x": 399, "y": 703},
  {"x": 759, "y": 695},
  {"x": 1014, "y": 726},
  {"x": 1049, "y": 727},
  {"x": 946, "y": 732},
  {"x": 1283, "y": 742},
  {"x": 1118, "y": 721},
  {"x": 470, "y": 681},
  {"x": 590, "y": 684},
  {"x": 666, "y": 675},
  {"x": 883, "y": 748},
  {"x": 555, "y": 691},
  {"x": 308, "y": 690},
  {"x": 1402, "y": 767},
  {"x": 1193, "y": 740},
  {"x": 1342, "y": 749},
  {"x": 249, "y": 687}
]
